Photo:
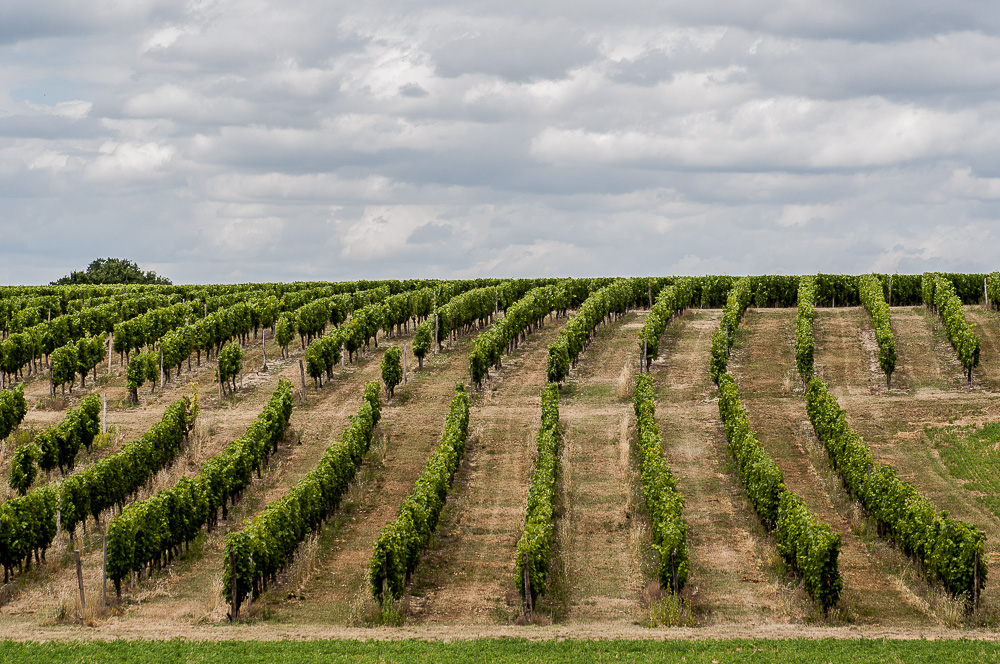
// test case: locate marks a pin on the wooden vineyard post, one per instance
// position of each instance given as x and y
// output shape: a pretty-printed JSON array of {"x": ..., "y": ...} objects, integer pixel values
[
  {"x": 642, "y": 361},
  {"x": 986, "y": 293},
  {"x": 59, "y": 526},
  {"x": 343, "y": 347},
  {"x": 302, "y": 375},
  {"x": 233, "y": 610},
  {"x": 975, "y": 586},
  {"x": 79, "y": 578},
  {"x": 527, "y": 589},
  {"x": 110, "y": 346},
  {"x": 890, "y": 290},
  {"x": 104, "y": 574},
  {"x": 161, "y": 369},
  {"x": 104, "y": 418},
  {"x": 404, "y": 363},
  {"x": 673, "y": 569},
  {"x": 435, "y": 326},
  {"x": 263, "y": 348},
  {"x": 649, "y": 286}
]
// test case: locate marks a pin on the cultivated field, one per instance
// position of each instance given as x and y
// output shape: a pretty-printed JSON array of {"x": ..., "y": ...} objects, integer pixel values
[{"x": 929, "y": 426}]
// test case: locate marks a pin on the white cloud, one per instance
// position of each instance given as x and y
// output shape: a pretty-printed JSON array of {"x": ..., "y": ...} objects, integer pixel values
[
  {"x": 522, "y": 138},
  {"x": 129, "y": 161}
]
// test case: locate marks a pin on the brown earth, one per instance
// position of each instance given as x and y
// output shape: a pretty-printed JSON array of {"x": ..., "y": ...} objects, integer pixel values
[
  {"x": 467, "y": 576},
  {"x": 738, "y": 585},
  {"x": 874, "y": 591},
  {"x": 732, "y": 576}
]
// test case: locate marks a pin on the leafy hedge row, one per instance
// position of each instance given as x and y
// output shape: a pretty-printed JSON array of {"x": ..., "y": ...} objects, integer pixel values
[
  {"x": 323, "y": 354},
  {"x": 267, "y": 543},
  {"x": 732, "y": 314},
  {"x": 111, "y": 480},
  {"x": 57, "y": 446},
  {"x": 809, "y": 546},
  {"x": 399, "y": 545},
  {"x": 940, "y": 292},
  {"x": 804, "y": 344},
  {"x": 993, "y": 289},
  {"x": 614, "y": 298},
  {"x": 671, "y": 300},
  {"x": 503, "y": 337},
  {"x": 13, "y": 408},
  {"x": 28, "y": 523},
  {"x": 659, "y": 488},
  {"x": 535, "y": 545},
  {"x": 149, "y": 531},
  {"x": 946, "y": 549},
  {"x": 870, "y": 289}
]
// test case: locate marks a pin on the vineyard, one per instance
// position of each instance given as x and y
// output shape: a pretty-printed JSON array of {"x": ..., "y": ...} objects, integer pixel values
[{"x": 610, "y": 456}]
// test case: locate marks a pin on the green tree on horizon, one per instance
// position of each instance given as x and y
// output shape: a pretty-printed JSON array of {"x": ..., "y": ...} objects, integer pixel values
[{"x": 111, "y": 271}]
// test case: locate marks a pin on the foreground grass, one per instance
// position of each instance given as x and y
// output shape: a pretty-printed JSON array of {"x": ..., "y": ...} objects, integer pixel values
[
  {"x": 502, "y": 650},
  {"x": 972, "y": 454}
]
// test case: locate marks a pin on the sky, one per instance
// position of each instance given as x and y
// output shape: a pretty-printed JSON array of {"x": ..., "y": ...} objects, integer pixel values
[{"x": 225, "y": 141}]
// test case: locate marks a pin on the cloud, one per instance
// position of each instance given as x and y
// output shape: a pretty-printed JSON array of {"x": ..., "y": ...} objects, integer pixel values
[{"x": 328, "y": 140}]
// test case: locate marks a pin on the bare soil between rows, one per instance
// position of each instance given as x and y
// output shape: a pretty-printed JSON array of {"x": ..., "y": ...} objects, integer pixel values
[{"x": 738, "y": 587}]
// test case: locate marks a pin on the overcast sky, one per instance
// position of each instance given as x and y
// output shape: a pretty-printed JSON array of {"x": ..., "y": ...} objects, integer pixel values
[{"x": 225, "y": 140}]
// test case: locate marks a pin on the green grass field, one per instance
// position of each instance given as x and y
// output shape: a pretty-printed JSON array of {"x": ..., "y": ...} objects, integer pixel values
[{"x": 501, "y": 650}]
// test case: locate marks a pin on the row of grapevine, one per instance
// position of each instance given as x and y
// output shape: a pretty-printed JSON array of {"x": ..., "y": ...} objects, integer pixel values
[
  {"x": 949, "y": 551},
  {"x": 671, "y": 300},
  {"x": 402, "y": 541},
  {"x": 659, "y": 489},
  {"x": 149, "y": 531},
  {"x": 13, "y": 408},
  {"x": 993, "y": 289},
  {"x": 525, "y": 315},
  {"x": 613, "y": 299},
  {"x": 323, "y": 354},
  {"x": 57, "y": 446},
  {"x": 111, "y": 480},
  {"x": 722, "y": 340},
  {"x": 804, "y": 344},
  {"x": 267, "y": 543},
  {"x": 79, "y": 357},
  {"x": 25, "y": 347},
  {"x": 28, "y": 523},
  {"x": 874, "y": 301},
  {"x": 940, "y": 292},
  {"x": 808, "y": 545},
  {"x": 535, "y": 545}
]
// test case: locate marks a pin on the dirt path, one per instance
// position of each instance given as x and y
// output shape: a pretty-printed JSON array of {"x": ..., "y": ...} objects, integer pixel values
[
  {"x": 873, "y": 594},
  {"x": 925, "y": 361},
  {"x": 189, "y": 590},
  {"x": 892, "y": 424},
  {"x": 600, "y": 543},
  {"x": 467, "y": 576},
  {"x": 329, "y": 584},
  {"x": 731, "y": 580},
  {"x": 986, "y": 323}
]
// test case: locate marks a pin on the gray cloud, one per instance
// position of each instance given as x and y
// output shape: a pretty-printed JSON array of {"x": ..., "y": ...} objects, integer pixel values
[{"x": 254, "y": 141}]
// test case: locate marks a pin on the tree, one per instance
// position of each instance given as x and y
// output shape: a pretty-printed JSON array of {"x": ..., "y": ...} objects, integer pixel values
[
  {"x": 422, "y": 344},
  {"x": 64, "y": 363},
  {"x": 135, "y": 376},
  {"x": 392, "y": 369},
  {"x": 230, "y": 364},
  {"x": 284, "y": 333},
  {"x": 23, "y": 469},
  {"x": 111, "y": 271}
]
